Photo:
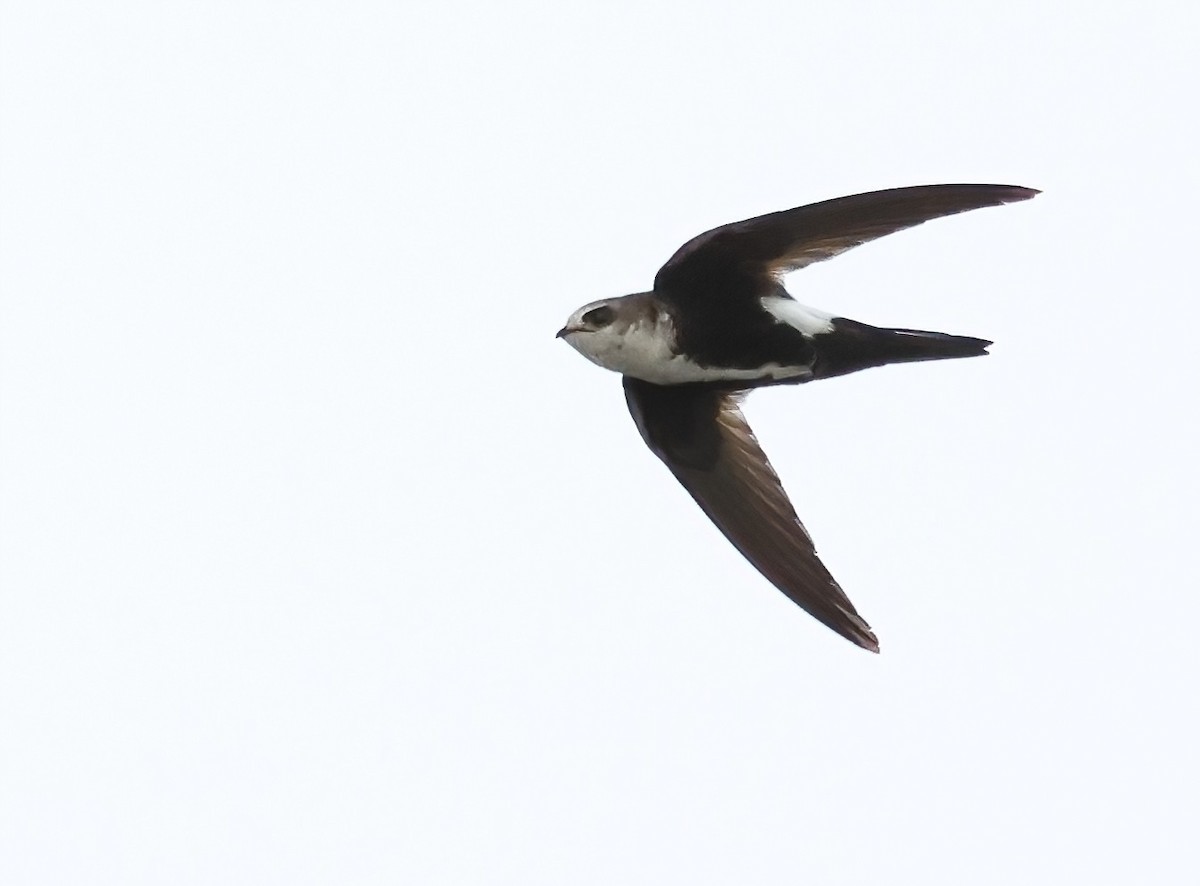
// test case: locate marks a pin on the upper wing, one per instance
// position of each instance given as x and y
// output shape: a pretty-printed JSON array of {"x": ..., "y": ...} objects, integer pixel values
[
  {"x": 702, "y": 437},
  {"x": 755, "y": 251}
]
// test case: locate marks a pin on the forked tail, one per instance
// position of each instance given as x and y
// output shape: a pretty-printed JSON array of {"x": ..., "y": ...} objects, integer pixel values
[{"x": 852, "y": 346}]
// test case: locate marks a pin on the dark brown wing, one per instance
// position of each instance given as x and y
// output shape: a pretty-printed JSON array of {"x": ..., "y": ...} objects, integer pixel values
[
  {"x": 702, "y": 437},
  {"x": 754, "y": 252}
]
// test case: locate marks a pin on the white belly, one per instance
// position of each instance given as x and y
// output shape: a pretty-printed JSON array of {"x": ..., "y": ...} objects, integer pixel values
[{"x": 644, "y": 351}]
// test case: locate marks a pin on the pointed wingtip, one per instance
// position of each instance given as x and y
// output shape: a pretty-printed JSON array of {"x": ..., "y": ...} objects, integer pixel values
[
  {"x": 1017, "y": 193},
  {"x": 868, "y": 642},
  {"x": 858, "y": 632},
  {"x": 1000, "y": 194}
]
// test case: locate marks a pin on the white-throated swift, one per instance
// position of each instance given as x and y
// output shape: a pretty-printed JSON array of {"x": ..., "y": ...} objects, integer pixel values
[{"x": 719, "y": 323}]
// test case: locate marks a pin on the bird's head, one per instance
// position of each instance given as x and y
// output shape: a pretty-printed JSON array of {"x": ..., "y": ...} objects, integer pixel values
[
  {"x": 616, "y": 333},
  {"x": 589, "y": 320}
]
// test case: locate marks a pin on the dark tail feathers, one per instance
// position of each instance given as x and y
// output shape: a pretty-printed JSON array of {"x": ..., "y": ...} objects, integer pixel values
[{"x": 852, "y": 346}]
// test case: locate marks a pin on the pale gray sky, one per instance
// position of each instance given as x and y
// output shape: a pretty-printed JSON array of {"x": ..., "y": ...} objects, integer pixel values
[{"x": 323, "y": 562}]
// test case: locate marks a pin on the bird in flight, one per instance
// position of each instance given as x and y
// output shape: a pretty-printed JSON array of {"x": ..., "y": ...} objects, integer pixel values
[{"x": 719, "y": 323}]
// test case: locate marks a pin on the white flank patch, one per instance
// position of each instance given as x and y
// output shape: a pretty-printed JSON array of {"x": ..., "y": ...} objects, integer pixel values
[
  {"x": 808, "y": 320},
  {"x": 645, "y": 350}
]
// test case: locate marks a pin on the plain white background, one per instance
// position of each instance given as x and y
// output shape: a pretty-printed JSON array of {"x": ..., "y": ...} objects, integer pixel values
[{"x": 323, "y": 562}]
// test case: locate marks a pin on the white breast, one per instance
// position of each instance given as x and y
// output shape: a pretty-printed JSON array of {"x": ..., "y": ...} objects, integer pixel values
[{"x": 645, "y": 350}]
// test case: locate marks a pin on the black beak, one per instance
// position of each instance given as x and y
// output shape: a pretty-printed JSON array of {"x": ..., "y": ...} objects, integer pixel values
[{"x": 567, "y": 330}]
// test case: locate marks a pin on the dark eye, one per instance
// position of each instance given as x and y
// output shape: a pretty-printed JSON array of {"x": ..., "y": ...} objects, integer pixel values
[{"x": 599, "y": 317}]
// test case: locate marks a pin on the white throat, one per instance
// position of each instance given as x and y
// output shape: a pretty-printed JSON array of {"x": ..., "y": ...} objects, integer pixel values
[{"x": 645, "y": 349}]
